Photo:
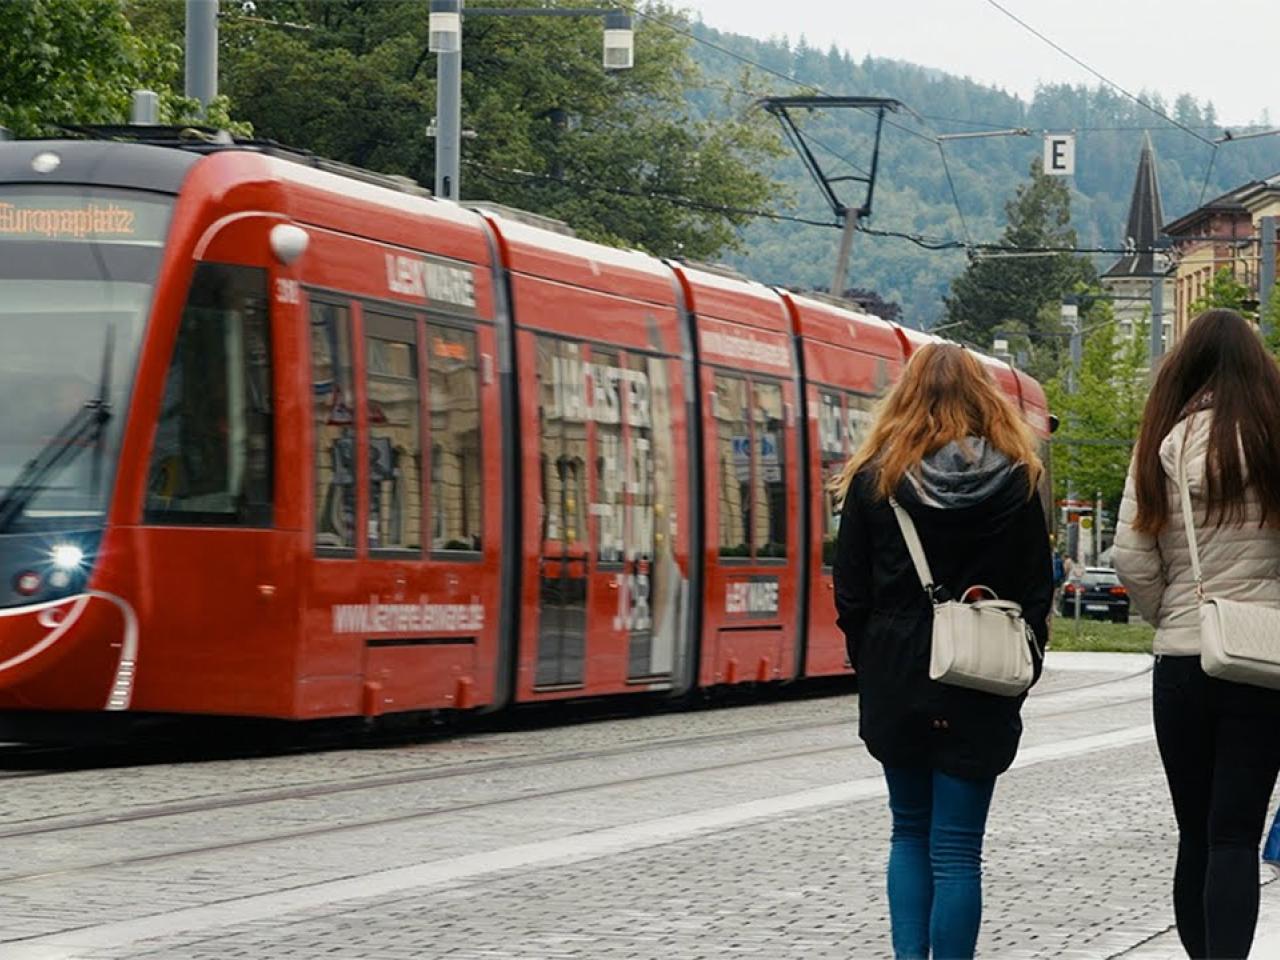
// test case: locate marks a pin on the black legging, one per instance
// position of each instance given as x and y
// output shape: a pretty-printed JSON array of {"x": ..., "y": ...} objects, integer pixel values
[{"x": 1220, "y": 744}]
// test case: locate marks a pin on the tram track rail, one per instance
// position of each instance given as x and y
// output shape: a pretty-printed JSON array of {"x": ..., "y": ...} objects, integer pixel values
[
  {"x": 409, "y": 777},
  {"x": 326, "y": 788}
]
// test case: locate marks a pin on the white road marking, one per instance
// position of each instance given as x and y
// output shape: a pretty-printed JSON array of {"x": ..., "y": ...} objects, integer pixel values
[{"x": 68, "y": 945}]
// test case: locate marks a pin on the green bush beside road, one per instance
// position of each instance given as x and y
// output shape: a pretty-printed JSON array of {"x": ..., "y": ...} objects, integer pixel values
[{"x": 1100, "y": 636}]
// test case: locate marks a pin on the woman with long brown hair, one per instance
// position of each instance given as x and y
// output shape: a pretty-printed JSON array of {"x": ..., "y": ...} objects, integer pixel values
[
  {"x": 1214, "y": 411},
  {"x": 951, "y": 450}
]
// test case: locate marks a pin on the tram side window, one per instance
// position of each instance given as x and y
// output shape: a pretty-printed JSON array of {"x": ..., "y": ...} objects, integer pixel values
[
  {"x": 771, "y": 471},
  {"x": 211, "y": 463},
  {"x": 333, "y": 418},
  {"x": 395, "y": 433},
  {"x": 608, "y": 504},
  {"x": 841, "y": 433},
  {"x": 834, "y": 451},
  {"x": 457, "y": 475},
  {"x": 733, "y": 450}
]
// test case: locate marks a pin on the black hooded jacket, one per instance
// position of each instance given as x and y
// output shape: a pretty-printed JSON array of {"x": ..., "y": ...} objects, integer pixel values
[{"x": 978, "y": 526}]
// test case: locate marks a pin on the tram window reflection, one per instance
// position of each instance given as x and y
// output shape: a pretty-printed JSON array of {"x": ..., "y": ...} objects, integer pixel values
[
  {"x": 611, "y": 457},
  {"x": 833, "y": 449},
  {"x": 733, "y": 450},
  {"x": 457, "y": 476},
  {"x": 770, "y": 487},
  {"x": 211, "y": 463},
  {"x": 333, "y": 420},
  {"x": 395, "y": 438}
]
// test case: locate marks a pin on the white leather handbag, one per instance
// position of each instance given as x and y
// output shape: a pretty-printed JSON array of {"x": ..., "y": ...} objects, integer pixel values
[
  {"x": 1238, "y": 641},
  {"x": 984, "y": 645}
]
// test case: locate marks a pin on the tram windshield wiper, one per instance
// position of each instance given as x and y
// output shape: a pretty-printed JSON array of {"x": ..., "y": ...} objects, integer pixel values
[{"x": 86, "y": 428}]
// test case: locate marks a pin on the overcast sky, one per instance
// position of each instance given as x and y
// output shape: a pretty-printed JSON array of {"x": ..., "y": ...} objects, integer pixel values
[{"x": 1226, "y": 51}]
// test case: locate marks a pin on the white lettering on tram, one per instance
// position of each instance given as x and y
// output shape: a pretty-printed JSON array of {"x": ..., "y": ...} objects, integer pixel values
[
  {"x": 377, "y": 616},
  {"x": 733, "y": 347},
  {"x": 431, "y": 280},
  {"x": 752, "y": 598},
  {"x": 599, "y": 393}
]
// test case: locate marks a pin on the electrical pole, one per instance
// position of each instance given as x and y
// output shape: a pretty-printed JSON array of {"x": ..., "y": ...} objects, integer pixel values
[
  {"x": 1157, "y": 312},
  {"x": 445, "y": 41},
  {"x": 1267, "y": 270},
  {"x": 446, "y": 23},
  {"x": 846, "y": 214},
  {"x": 1097, "y": 527},
  {"x": 1071, "y": 318},
  {"x": 846, "y": 248},
  {"x": 202, "y": 51}
]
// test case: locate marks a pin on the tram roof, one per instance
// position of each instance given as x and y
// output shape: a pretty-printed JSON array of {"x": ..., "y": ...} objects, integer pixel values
[
  {"x": 553, "y": 256},
  {"x": 844, "y": 326},
  {"x": 127, "y": 165}
]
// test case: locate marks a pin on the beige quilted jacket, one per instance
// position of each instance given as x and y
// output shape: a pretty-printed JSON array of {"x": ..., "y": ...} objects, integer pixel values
[{"x": 1239, "y": 561}]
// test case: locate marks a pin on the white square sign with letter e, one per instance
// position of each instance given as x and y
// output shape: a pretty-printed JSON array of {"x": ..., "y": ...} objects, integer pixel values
[{"x": 1060, "y": 154}]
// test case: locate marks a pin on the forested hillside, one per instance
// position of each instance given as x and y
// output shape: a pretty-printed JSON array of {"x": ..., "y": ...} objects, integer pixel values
[{"x": 912, "y": 194}]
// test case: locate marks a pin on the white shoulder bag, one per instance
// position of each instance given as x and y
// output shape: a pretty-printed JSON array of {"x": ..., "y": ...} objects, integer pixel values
[
  {"x": 1238, "y": 641},
  {"x": 984, "y": 645}
]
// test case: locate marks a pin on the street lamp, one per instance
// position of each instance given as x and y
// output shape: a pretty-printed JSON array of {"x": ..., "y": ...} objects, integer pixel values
[
  {"x": 445, "y": 26},
  {"x": 619, "y": 41},
  {"x": 445, "y": 41}
]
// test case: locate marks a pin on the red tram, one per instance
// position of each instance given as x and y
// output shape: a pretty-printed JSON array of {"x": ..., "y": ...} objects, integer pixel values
[{"x": 290, "y": 440}]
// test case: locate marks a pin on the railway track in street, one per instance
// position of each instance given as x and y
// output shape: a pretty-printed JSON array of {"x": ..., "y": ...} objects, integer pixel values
[{"x": 70, "y": 826}]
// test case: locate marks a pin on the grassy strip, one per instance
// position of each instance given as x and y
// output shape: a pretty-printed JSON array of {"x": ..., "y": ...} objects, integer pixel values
[{"x": 1100, "y": 636}]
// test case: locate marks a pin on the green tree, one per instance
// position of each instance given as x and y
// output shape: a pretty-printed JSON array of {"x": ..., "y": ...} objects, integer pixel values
[
  {"x": 1225, "y": 290},
  {"x": 1100, "y": 420},
  {"x": 79, "y": 63},
  {"x": 1271, "y": 323},
  {"x": 66, "y": 63},
  {"x": 999, "y": 293},
  {"x": 553, "y": 132}
]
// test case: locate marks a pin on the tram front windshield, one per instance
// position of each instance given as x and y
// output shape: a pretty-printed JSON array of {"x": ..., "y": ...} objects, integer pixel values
[{"x": 77, "y": 268}]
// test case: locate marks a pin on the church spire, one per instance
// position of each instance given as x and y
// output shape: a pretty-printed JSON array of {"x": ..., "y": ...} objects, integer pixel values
[{"x": 1145, "y": 219}]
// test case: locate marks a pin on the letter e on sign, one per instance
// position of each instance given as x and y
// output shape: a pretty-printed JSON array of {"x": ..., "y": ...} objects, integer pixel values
[{"x": 1060, "y": 154}]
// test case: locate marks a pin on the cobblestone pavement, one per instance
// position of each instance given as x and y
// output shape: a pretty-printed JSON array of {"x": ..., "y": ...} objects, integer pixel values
[{"x": 755, "y": 832}]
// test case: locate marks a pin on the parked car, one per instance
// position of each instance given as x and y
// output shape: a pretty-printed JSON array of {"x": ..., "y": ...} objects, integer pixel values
[{"x": 1101, "y": 595}]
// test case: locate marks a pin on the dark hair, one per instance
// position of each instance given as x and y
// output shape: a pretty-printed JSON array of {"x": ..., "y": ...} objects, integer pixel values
[{"x": 1220, "y": 354}]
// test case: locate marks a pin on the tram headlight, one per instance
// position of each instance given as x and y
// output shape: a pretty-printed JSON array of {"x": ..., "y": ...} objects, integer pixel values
[
  {"x": 27, "y": 583},
  {"x": 66, "y": 556}
]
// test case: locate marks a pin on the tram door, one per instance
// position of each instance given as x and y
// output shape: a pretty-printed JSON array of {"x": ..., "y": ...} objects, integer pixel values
[
  {"x": 609, "y": 587},
  {"x": 563, "y": 560},
  {"x": 633, "y": 509}
]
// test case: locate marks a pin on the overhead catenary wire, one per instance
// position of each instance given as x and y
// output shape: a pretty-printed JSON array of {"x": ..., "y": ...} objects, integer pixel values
[
  {"x": 512, "y": 176},
  {"x": 836, "y": 153},
  {"x": 522, "y": 177},
  {"x": 677, "y": 27},
  {"x": 1107, "y": 80},
  {"x": 1111, "y": 83},
  {"x": 497, "y": 174},
  {"x": 815, "y": 88},
  {"x": 1204, "y": 187},
  {"x": 1079, "y": 128},
  {"x": 954, "y": 195}
]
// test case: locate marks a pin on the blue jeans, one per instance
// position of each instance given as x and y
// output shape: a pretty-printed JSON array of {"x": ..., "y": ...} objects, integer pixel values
[{"x": 935, "y": 862}]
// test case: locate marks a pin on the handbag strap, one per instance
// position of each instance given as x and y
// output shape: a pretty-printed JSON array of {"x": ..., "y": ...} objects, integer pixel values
[
  {"x": 1188, "y": 518},
  {"x": 914, "y": 547}
]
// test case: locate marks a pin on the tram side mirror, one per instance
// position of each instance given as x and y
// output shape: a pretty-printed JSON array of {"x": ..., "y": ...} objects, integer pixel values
[
  {"x": 288, "y": 242},
  {"x": 1054, "y": 422}
]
